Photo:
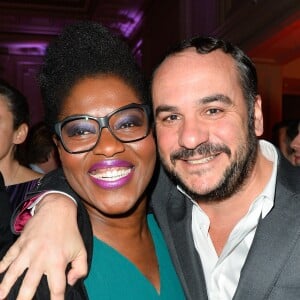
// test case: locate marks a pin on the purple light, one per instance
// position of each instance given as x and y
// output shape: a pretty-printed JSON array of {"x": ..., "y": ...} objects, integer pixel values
[
  {"x": 132, "y": 20},
  {"x": 24, "y": 48}
]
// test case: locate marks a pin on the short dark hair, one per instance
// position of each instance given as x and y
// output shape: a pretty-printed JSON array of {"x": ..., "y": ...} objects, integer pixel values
[
  {"x": 39, "y": 144},
  {"x": 245, "y": 66},
  {"x": 17, "y": 103},
  {"x": 292, "y": 130},
  {"x": 18, "y": 106},
  {"x": 276, "y": 130},
  {"x": 86, "y": 49}
]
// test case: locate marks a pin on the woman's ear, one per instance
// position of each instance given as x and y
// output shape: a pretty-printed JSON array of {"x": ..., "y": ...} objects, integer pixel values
[
  {"x": 21, "y": 134},
  {"x": 57, "y": 144}
]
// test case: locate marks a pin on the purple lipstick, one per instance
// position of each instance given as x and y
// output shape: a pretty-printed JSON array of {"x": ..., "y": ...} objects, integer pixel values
[{"x": 111, "y": 174}]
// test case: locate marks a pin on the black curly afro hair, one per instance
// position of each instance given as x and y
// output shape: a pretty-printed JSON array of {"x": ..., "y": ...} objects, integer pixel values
[{"x": 85, "y": 49}]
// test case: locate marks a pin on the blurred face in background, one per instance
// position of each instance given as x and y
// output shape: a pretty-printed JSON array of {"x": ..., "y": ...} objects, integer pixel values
[
  {"x": 8, "y": 135},
  {"x": 295, "y": 145}
]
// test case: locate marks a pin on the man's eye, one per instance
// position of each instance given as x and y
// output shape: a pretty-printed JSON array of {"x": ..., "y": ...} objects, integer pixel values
[
  {"x": 171, "y": 118},
  {"x": 213, "y": 111}
]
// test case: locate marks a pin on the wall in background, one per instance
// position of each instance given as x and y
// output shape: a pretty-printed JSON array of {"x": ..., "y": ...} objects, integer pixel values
[{"x": 267, "y": 30}]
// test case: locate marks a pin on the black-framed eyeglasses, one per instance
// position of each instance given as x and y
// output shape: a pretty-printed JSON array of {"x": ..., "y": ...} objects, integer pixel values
[{"x": 81, "y": 133}]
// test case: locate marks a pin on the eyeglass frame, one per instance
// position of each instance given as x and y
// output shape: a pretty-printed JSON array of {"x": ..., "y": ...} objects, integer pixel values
[{"x": 103, "y": 122}]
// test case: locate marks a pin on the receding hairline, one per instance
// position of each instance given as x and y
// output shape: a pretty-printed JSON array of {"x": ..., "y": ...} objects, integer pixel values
[{"x": 196, "y": 54}]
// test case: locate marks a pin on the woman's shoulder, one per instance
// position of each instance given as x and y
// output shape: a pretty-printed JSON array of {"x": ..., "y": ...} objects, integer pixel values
[{"x": 18, "y": 191}]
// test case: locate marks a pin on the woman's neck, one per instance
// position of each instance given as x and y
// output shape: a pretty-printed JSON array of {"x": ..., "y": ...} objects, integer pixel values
[
  {"x": 14, "y": 173},
  {"x": 124, "y": 228},
  {"x": 9, "y": 169}
]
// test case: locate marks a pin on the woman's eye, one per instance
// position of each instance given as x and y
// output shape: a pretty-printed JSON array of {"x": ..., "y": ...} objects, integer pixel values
[
  {"x": 129, "y": 122},
  {"x": 127, "y": 125},
  {"x": 80, "y": 130}
]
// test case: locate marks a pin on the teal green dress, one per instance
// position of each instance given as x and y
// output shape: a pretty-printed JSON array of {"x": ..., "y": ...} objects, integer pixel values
[{"x": 113, "y": 276}]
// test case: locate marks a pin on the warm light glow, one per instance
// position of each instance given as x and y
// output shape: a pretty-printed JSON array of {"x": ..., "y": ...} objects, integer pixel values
[{"x": 283, "y": 46}]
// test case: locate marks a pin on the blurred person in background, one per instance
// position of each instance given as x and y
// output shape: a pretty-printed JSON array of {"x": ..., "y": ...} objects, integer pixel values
[
  {"x": 41, "y": 152},
  {"x": 294, "y": 134},
  {"x": 281, "y": 139},
  {"x": 14, "y": 125},
  {"x": 6, "y": 236}
]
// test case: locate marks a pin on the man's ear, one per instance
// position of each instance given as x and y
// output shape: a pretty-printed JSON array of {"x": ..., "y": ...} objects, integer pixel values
[
  {"x": 21, "y": 134},
  {"x": 258, "y": 116}
]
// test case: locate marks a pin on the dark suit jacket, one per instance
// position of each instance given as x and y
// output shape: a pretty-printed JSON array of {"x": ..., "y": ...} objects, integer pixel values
[{"x": 272, "y": 268}]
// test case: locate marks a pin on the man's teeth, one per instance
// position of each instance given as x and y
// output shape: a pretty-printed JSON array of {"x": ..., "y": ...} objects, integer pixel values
[
  {"x": 200, "y": 161},
  {"x": 111, "y": 175}
]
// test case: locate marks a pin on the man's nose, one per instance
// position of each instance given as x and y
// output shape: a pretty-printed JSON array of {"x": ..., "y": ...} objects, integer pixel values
[{"x": 192, "y": 133}]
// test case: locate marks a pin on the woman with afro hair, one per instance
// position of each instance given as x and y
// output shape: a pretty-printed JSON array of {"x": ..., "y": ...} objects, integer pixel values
[{"x": 96, "y": 102}]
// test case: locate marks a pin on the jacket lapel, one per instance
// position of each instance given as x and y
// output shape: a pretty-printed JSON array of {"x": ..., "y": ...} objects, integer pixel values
[
  {"x": 275, "y": 238},
  {"x": 188, "y": 260}
]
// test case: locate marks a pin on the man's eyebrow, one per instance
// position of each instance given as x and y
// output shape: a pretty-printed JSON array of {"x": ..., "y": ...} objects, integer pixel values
[
  {"x": 164, "y": 108},
  {"x": 214, "y": 98},
  {"x": 204, "y": 100}
]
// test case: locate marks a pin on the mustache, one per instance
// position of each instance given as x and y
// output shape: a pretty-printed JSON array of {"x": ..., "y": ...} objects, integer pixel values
[{"x": 203, "y": 149}]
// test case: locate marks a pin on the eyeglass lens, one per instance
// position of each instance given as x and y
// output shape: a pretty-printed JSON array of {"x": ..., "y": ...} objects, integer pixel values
[{"x": 126, "y": 125}]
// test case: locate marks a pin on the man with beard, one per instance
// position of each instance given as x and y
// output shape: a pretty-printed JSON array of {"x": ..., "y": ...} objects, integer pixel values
[{"x": 228, "y": 204}]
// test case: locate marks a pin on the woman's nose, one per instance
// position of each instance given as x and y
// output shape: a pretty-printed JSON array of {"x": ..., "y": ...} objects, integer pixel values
[{"x": 108, "y": 144}]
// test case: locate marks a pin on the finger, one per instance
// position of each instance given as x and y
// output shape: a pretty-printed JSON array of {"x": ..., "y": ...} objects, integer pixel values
[
  {"x": 14, "y": 271},
  {"x": 57, "y": 297},
  {"x": 9, "y": 257},
  {"x": 78, "y": 269},
  {"x": 57, "y": 284},
  {"x": 56, "y": 275},
  {"x": 29, "y": 284}
]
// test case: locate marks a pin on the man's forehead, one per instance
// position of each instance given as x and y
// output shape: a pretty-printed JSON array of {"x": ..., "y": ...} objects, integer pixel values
[
  {"x": 173, "y": 66},
  {"x": 189, "y": 63},
  {"x": 178, "y": 58},
  {"x": 191, "y": 75},
  {"x": 191, "y": 58}
]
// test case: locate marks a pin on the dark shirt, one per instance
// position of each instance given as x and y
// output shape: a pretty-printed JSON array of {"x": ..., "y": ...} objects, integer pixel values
[
  {"x": 6, "y": 236},
  {"x": 17, "y": 192}
]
